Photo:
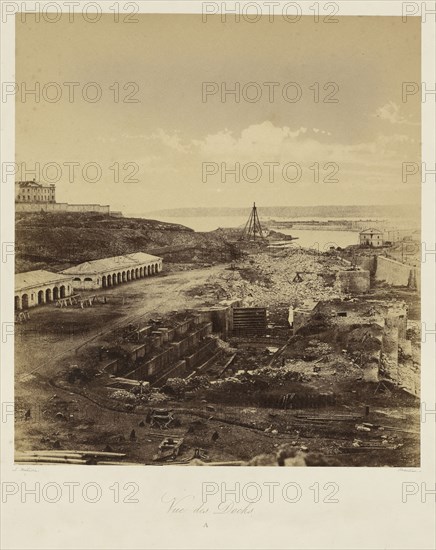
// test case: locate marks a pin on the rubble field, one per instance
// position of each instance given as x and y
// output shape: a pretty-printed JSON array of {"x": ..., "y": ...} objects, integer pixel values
[
  {"x": 271, "y": 278},
  {"x": 341, "y": 388}
]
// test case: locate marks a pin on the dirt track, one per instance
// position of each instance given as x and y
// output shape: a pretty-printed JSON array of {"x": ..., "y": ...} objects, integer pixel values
[
  {"x": 49, "y": 342},
  {"x": 41, "y": 343}
]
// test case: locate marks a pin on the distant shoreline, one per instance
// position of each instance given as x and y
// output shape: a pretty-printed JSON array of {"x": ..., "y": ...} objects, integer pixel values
[{"x": 362, "y": 212}]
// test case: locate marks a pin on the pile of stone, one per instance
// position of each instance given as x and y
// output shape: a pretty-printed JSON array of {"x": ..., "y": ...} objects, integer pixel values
[{"x": 293, "y": 277}]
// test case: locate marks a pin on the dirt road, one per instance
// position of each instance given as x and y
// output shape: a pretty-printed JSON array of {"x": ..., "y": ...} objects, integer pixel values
[
  {"x": 65, "y": 416},
  {"x": 53, "y": 333},
  {"x": 53, "y": 336}
]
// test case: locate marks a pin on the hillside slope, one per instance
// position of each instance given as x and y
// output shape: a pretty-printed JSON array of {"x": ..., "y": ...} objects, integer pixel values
[{"x": 58, "y": 240}]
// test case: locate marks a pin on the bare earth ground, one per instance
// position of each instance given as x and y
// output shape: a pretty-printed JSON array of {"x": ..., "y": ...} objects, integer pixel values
[{"x": 55, "y": 338}]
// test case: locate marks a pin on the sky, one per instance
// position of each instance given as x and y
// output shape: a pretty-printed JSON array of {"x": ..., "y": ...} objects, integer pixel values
[{"x": 169, "y": 136}]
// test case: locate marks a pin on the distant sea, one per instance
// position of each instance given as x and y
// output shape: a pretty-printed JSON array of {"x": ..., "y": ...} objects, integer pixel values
[{"x": 318, "y": 239}]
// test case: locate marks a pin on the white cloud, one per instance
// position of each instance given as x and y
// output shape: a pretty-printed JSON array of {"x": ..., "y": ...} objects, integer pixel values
[
  {"x": 172, "y": 141},
  {"x": 257, "y": 139},
  {"x": 259, "y": 142},
  {"x": 170, "y": 158},
  {"x": 266, "y": 142},
  {"x": 391, "y": 112}
]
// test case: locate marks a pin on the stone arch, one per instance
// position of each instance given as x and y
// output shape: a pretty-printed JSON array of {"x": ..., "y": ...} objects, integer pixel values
[
  {"x": 62, "y": 291},
  {"x": 123, "y": 276},
  {"x": 156, "y": 269},
  {"x": 40, "y": 297},
  {"x": 104, "y": 281},
  {"x": 148, "y": 270},
  {"x": 55, "y": 293},
  {"x": 118, "y": 277},
  {"x": 24, "y": 301},
  {"x": 128, "y": 275},
  {"x": 141, "y": 272},
  {"x": 137, "y": 273},
  {"x": 48, "y": 295},
  {"x": 17, "y": 302}
]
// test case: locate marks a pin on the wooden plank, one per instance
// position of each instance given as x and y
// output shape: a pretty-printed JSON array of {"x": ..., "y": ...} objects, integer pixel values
[
  {"x": 77, "y": 452},
  {"x": 48, "y": 460},
  {"x": 227, "y": 365}
]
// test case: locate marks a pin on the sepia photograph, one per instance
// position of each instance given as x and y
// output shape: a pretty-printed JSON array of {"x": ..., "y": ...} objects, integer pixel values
[
  {"x": 217, "y": 276},
  {"x": 217, "y": 240}
]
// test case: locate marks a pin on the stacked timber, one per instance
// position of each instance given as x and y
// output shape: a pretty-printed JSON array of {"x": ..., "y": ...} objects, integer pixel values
[{"x": 69, "y": 457}]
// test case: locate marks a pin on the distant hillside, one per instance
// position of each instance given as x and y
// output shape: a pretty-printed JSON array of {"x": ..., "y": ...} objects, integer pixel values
[
  {"x": 58, "y": 240},
  {"x": 323, "y": 211}
]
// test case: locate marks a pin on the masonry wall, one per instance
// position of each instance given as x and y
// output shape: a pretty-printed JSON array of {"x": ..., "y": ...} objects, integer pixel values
[
  {"x": 176, "y": 351},
  {"x": 392, "y": 272},
  {"x": 368, "y": 263},
  {"x": 61, "y": 207},
  {"x": 201, "y": 355},
  {"x": 354, "y": 281},
  {"x": 87, "y": 283},
  {"x": 124, "y": 275},
  {"x": 43, "y": 294},
  {"x": 301, "y": 318},
  {"x": 220, "y": 316}
]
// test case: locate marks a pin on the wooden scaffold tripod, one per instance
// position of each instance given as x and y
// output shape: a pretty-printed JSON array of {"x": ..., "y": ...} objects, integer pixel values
[{"x": 253, "y": 229}]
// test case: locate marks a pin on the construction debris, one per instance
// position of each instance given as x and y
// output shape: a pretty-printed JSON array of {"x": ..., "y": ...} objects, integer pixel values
[
  {"x": 69, "y": 457},
  {"x": 160, "y": 418},
  {"x": 279, "y": 363},
  {"x": 169, "y": 449}
]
